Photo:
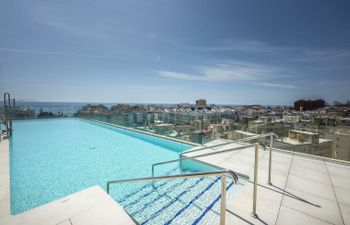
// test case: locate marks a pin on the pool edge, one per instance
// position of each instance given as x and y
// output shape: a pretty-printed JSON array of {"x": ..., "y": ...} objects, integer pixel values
[{"x": 144, "y": 132}]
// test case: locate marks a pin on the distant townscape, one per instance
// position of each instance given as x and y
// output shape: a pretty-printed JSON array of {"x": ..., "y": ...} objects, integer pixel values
[{"x": 311, "y": 126}]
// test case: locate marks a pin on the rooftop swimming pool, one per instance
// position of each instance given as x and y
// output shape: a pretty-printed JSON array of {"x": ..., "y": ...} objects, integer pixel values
[
  {"x": 52, "y": 158},
  {"x": 55, "y": 157}
]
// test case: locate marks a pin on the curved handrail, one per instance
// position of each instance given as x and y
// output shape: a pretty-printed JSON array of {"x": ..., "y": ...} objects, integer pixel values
[{"x": 189, "y": 175}]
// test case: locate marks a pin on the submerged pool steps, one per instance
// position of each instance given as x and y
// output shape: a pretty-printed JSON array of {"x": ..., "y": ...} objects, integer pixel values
[
  {"x": 150, "y": 184},
  {"x": 178, "y": 201}
]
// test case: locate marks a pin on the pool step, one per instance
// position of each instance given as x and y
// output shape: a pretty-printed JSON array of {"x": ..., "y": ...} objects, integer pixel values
[{"x": 177, "y": 201}]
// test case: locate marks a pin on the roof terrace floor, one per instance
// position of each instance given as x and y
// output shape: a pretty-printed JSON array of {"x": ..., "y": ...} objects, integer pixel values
[{"x": 304, "y": 190}]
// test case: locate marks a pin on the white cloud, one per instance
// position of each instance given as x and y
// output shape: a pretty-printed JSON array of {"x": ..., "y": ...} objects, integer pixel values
[
  {"x": 236, "y": 45},
  {"x": 312, "y": 55},
  {"x": 180, "y": 76},
  {"x": 225, "y": 71},
  {"x": 43, "y": 52},
  {"x": 277, "y": 85},
  {"x": 290, "y": 53}
]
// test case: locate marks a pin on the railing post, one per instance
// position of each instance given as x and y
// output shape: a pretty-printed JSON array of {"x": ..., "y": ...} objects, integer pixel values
[
  {"x": 223, "y": 200},
  {"x": 255, "y": 180},
  {"x": 10, "y": 114},
  {"x": 270, "y": 160}
]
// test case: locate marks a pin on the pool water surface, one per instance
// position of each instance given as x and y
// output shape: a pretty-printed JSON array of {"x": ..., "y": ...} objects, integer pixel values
[{"x": 52, "y": 158}]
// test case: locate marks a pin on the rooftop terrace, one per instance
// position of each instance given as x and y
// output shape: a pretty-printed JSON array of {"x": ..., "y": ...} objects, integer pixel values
[{"x": 305, "y": 190}]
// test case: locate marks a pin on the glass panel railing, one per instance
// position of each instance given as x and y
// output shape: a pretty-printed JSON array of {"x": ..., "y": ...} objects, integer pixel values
[{"x": 309, "y": 133}]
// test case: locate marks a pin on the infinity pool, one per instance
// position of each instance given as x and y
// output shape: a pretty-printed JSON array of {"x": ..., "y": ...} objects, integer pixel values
[{"x": 52, "y": 158}]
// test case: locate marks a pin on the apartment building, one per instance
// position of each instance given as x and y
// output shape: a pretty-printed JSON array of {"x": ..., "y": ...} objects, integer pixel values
[{"x": 306, "y": 142}]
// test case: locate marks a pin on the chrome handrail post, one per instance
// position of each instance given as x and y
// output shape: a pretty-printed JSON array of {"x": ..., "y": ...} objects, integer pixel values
[
  {"x": 8, "y": 114},
  {"x": 270, "y": 160},
  {"x": 255, "y": 180},
  {"x": 223, "y": 200}
]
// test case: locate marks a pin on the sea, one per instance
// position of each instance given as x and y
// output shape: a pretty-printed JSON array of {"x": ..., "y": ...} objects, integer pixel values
[{"x": 66, "y": 108}]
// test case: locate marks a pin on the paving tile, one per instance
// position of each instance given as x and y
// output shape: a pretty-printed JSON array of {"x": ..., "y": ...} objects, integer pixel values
[
  {"x": 276, "y": 157},
  {"x": 4, "y": 193},
  {"x": 278, "y": 180},
  {"x": 277, "y": 167},
  {"x": 241, "y": 217},
  {"x": 212, "y": 159},
  {"x": 340, "y": 181},
  {"x": 51, "y": 213},
  {"x": 11, "y": 220},
  {"x": 247, "y": 159},
  {"x": 4, "y": 181},
  {"x": 268, "y": 203},
  {"x": 84, "y": 200},
  {"x": 5, "y": 208},
  {"x": 338, "y": 169},
  {"x": 267, "y": 210},
  {"x": 281, "y": 157},
  {"x": 236, "y": 166},
  {"x": 264, "y": 193},
  {"x": 4, "y": 168},
  {"x": 251, "y": 152},
  {"x": 102, "y": 216},
  {"x": 288, "y": 216},
  {"x": 321, "y": 208},
  {"x": 311, "y": 187},
  {"x": 310, "y": 174},
  {"x": 92, "y": 205},
  {"x": 309, "y": 163},
  {"x": 345, "y": 211},
  {"x": 343, "y": 195}
]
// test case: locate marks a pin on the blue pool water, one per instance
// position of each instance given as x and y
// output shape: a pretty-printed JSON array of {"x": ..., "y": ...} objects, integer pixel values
[{"x": 52, "y": 158}]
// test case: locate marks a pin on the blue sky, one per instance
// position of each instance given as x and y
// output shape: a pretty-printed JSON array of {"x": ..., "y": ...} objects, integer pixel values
[{"x": 229, "y": 52}]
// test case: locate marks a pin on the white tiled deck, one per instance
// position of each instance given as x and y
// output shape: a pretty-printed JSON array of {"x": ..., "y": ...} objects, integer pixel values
[
  {"x": 92, "y": 206},
  {"x": 304, "y": 190}
]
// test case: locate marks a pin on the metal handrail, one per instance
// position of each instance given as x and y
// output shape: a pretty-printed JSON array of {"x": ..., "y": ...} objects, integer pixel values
[
  {"x": 256, "y": 162},
  {"x": 204, "y": 148},
  {"x": 221, "y": 173},
  {"x": 8, "y": 114},
  {"x": 272, "y": 135},
  {"x": 231, "y": 142},
  {"x": 203, "y": 155},
  {"x": 258, "y": 136}
]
